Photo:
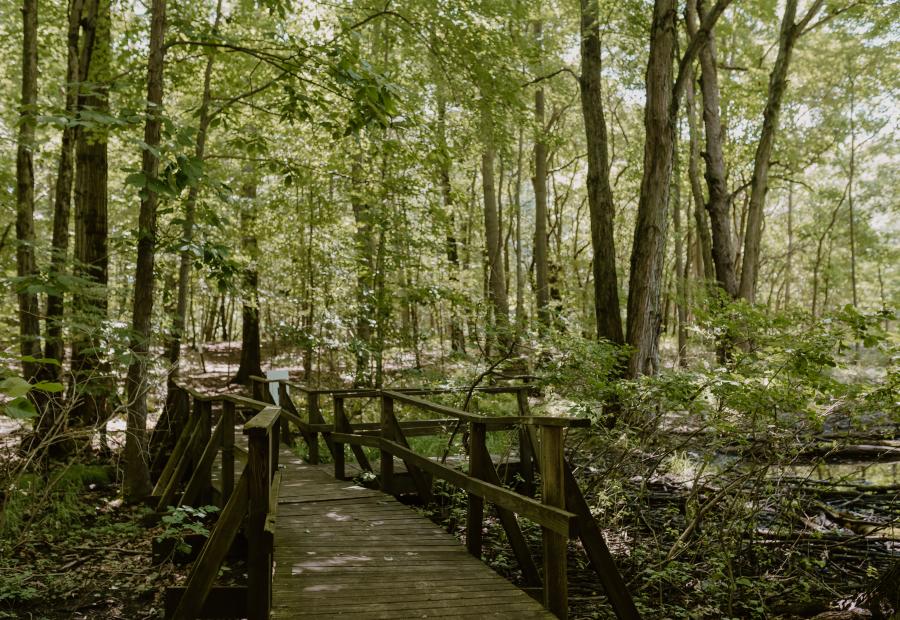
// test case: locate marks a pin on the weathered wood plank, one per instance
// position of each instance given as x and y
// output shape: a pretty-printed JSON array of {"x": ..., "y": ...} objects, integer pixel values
[
  {"x": 510, "y": 523},
  {"x": 597, "y": 551},
  {"x": 200, "y": 481},
  {"x": 372, "y": 557}
]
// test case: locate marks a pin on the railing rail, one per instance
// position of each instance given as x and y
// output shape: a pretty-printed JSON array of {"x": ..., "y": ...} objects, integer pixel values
[
  {"x": 251, "y": 502},
  {"x": 561, "y": 512}
]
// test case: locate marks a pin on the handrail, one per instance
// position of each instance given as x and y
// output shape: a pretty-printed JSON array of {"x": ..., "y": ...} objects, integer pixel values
[
  {"x": 556, "y": 519},
  {"x": 415, "y": 391},
  {"x": 421, "y": 403},
  {"x": 263, "y": 421},
  {"x": 253, "y": 500}
]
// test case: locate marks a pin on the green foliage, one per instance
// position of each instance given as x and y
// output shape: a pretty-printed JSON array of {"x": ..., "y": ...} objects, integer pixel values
[
  {"x": 182, "y": 520},
  {"x": 587, "y": 370},
  {"x": 17, "y": 390},
  {"x": 50, "y": 502}
]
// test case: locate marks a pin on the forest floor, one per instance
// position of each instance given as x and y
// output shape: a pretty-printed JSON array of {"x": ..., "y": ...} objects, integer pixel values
[{"x": 77, "y": 551}]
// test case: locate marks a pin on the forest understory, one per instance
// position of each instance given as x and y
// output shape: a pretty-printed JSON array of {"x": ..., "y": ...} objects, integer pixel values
[
  {"x": 702, "y": 523},
  {"x": 679, "y": 220}
]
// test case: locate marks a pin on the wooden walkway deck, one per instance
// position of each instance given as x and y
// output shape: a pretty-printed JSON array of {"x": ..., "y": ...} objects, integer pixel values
[
  {"x": 344, "y": 550},
  {"x": 317, "y": 546}
]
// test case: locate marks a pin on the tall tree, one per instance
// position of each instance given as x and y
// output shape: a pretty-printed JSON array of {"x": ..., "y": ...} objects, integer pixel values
[
  {"x": 790, "y": 32},
  {"x": 600, "y": 199},
  {"x": 492, "y": 235},
  {"x": 250, "y": 364},
  {"x": 29, "y": 323},
  {"x": 539, "y": 182},
  {"x": 185, "y": 260},
  {"x": 457, "y": 335},
  {"x": 660, "y": 113},
  {"x": 719, "y": 204},
  {"x": 701, "y": 218},
  {"x": 90, "y": 387},
  {"x": 62, "y": 197},
  {"x": 137, "y": 476},
  {"x": 365, "y": 244}
]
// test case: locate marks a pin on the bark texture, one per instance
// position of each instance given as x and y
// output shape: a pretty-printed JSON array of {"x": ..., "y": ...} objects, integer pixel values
[
  {"x": 250, "y": 364},
  {"x": 719, "y": 204},
  {"x": 137, "y": 476},
  {"x": 649, "y": 244},
  {"x": 29, "y": 314},
  {"x": 539, "y": 182},
  {"x": 91, "y": 385},
  {"x": 62, "y": 198},
  {"x": 701, "y": 218},
  {"x": 600, "y": 198},
  {"x": 496, "y": 271}
]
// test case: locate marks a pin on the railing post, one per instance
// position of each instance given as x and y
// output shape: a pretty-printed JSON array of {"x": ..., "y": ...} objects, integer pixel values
[
  {"x": 258, "y": 390},
  {"x": 553, "y": 493},
  {"x": 477, "y": 466},
  {"x": 259, "y": 544},
  {"x": 206, "y": 476},
  {"x": 312, "y": 417},
  {"x": 526, "y": 454},
  {"x": 285, "y": 425},
  {"x": 227, "y": 423},
  {"x": 274, "y": 448},
  {"x": 387, "y": 459},
  {"x": 340, "y": 472}
]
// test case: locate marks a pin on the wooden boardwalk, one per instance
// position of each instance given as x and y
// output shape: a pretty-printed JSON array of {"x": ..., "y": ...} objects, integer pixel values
[
  {"x": 344, "y": 550},
  {"x": 317, "y": 546}
]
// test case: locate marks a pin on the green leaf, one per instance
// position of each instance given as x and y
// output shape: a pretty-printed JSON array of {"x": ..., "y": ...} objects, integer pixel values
[
  {"x": 49, "y": 386},
  {"x": 20, "y": 409},
  {"x": 40, "y": 360},
  {"x": 15, "y": 387},
  {"x": 138, "y": 179}
]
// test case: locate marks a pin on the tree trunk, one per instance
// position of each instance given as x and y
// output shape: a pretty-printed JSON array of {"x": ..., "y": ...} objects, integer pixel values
[
  {"x": 600, "y": 200},
  {"x": 539, "y": 181},
  {"x": 850, "y": 179},
  {"x": 496, "y": 273},
  {"x": 680, "y": 278},
  {"x": 187, "y": 227},
  {"x": 457, "y": 335},
  {"x": 719, "y": 205},
  {"x": 517, "y": 222},
  {"x": 701, "y": 218},
  {"x": 759, "y": 185},
  {"x": 660, "y": 114},
  {"x": 137, "y": 476},
  {"x": 788, "y": 270},
  {"x": 62, "y": 200},
  {"x": 29, "y": 313},
  {"x": 90, "y": 387},
  {"x": 365, "y": 243},
  {"x": 652, "y": 222},
  {"x": 250, "y": 341}
]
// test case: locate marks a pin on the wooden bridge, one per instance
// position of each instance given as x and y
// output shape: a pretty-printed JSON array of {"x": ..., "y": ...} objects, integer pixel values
[{"x": 317, "y": 545}]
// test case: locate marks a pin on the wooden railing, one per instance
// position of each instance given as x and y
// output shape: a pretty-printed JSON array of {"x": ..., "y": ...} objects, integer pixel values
[
  {"x": 561, "y": 512},
  {"x": 250, "y": 502},
  {"x": 311, "y": 422}
]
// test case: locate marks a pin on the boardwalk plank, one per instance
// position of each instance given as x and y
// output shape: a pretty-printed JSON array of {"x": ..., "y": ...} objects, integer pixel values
[{"x": 343, "y": 550}]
